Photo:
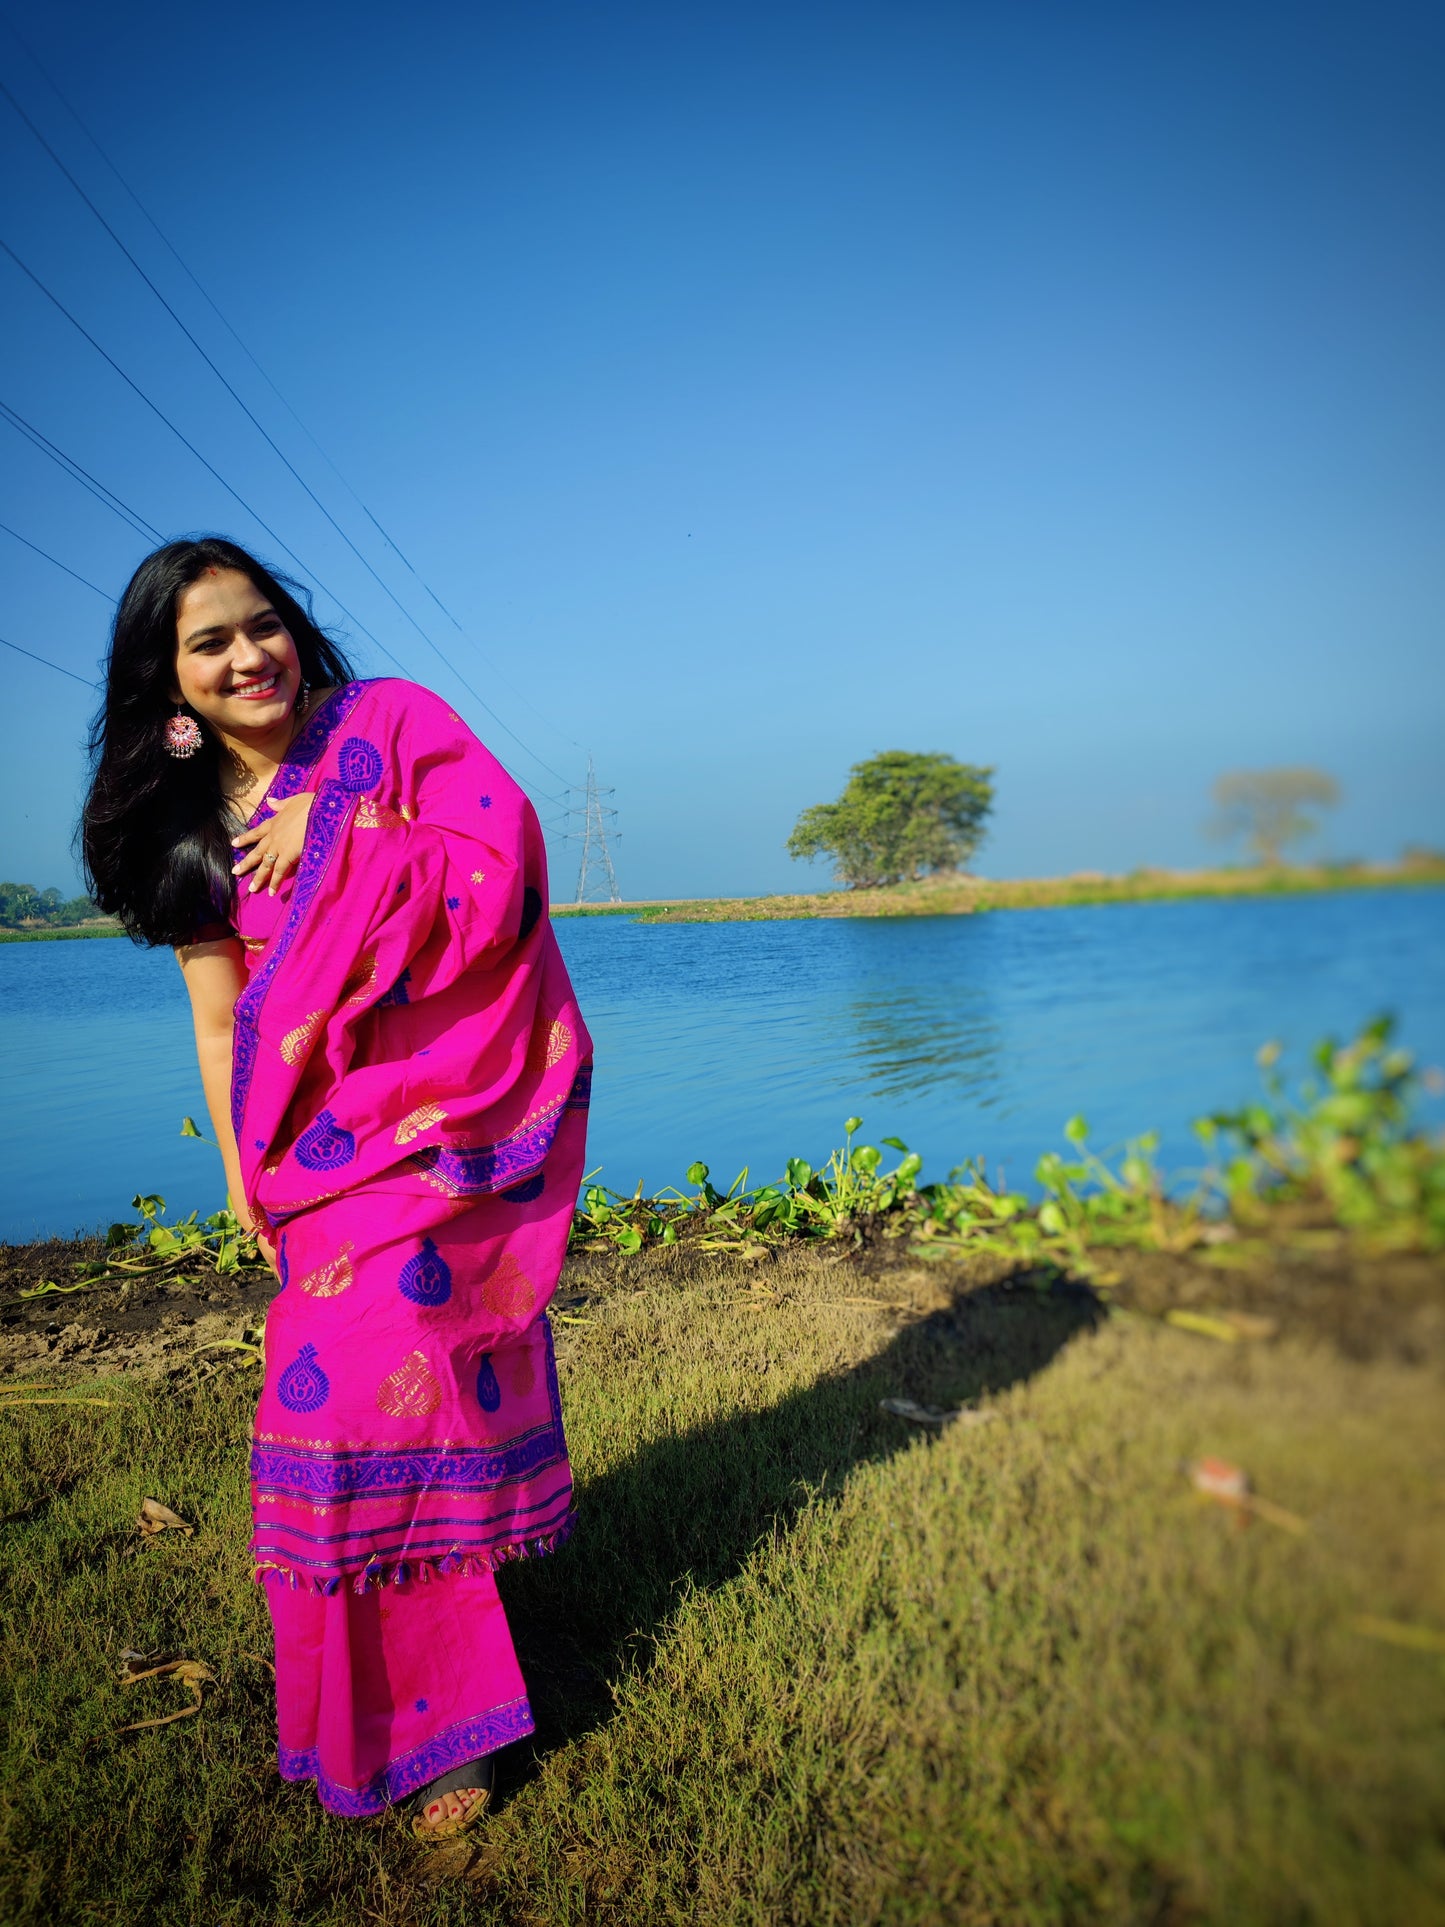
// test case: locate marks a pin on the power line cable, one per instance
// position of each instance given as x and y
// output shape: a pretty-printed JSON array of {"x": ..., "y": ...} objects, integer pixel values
[
  {"x": 137, "y": 523},
  {"x": 85, "y": 580},
  {"x": 216, "y": 371},
  {"x": 48, "y": 663},
  {"x": 185, "y": 442},
  {"x": 117, "y": 507},
  {"x": 210, "y": 302},
  {"x": 128, "y": 515},
  {"x": 256, "y": 516},
  {"x": 242, "y": 405}
]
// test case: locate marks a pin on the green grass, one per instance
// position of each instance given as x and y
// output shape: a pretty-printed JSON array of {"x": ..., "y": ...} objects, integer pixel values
[
  {"x": 962, "y": 895},
  {"x": 61, "y": 936},
  {"x": 800, "y": 1664}
]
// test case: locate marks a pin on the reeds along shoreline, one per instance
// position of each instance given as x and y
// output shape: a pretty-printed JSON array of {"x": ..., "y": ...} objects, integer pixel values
[{"x": 943, "y": 896}]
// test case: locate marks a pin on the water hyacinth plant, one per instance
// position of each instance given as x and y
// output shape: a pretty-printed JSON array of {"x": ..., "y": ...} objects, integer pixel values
[
  {"x": 1345, "y": 1139},
  {"x": 1345, "y": 1146}
]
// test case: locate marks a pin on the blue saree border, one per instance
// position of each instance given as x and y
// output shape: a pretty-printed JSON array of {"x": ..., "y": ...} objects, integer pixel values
[
  {"x": 295, "y": 1471},
  {"x": 409, "y": 1556},
  {"x": 323, "y": 829},
  {"x": 333, "y": 1478},
  {"x": 456, "y": 1745},
  {"x": 479, "y": 1170},
  {"x": 308, "y": 747}
]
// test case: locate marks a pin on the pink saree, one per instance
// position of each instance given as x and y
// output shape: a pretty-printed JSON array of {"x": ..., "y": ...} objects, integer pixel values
[{"x": 411, "y": 1076}]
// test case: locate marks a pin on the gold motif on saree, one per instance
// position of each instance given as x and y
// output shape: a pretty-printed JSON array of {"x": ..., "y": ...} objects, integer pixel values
[
  {"x": 332, "y": 1277},
  {"x": 296, "y": 1043},
  {"x": 371, "y": 815},
  {"x": 507, "y": 1292},
  {"x": 417, "y": 1121},
  {"x": 411, "y": 1391},
  {"x": 559, "y": 1042},
  {"x": 362, "y": 980},
  {"x": 479, "y": 876}
]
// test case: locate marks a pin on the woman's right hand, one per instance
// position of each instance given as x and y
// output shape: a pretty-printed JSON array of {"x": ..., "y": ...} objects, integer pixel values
[{"x": 267, "y": 1251}]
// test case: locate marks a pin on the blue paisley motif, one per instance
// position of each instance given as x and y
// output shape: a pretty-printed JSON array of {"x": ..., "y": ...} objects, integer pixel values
[
  {"x": 303, "y": 1386},
  {"x": 489, "y": 1392},
  {"x": 358, "y": 764},
  {"x": 427, "y": 1278},
  {"x": 397, "y": 993},
  {"x": 283, "y": 1263},
  {"x": 325, "y": 1145}
]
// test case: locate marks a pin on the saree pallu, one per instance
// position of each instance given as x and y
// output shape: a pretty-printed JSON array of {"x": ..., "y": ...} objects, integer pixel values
[{"x": 411, "y": 1076}]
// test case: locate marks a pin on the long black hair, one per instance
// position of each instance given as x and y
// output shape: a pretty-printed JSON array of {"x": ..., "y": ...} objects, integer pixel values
[{"x": 153, "y": 833}]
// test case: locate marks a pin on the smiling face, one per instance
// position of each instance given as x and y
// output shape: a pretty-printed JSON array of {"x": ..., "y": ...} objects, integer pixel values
[{"x": 235, "y": 663}]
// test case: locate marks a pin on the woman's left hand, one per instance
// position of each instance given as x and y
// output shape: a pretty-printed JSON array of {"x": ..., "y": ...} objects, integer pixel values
[{"x": 276, "y": 844}]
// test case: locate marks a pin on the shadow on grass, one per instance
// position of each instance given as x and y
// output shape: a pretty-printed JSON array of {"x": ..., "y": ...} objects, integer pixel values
[{"x": 689, "y": 1509}]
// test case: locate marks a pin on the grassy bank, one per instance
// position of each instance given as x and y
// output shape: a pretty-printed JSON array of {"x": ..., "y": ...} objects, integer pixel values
[
  {"x": 62, "y": 935},
  {"x": 803, "y": 1662},
  {"x": 960, "y": 896},
  {"x": 810, "y": 1659}
]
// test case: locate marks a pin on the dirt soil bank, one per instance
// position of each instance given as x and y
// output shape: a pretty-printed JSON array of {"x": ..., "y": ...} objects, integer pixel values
[{"x": 1292, "y": 1280}]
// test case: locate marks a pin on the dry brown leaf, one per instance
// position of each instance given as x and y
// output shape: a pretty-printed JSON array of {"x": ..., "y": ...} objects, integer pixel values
[
  {"x": 931, "y": 1415},
  {"x": 192, "y": 1673},
  {"x": 155, "y": 1517},
  {"x": 1249, "y": 1325},
  {"x": 1399, "y": 1632},
  {"x": 1203, "y": 1324}
]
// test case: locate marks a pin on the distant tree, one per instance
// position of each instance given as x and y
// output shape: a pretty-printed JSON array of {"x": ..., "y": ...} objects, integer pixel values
[
  {"x": 17, "y": 901},
  {"x": 22, "y": 906},
  {"x": 902, "y": 814},
  {"x": 1267, "y": 807}
]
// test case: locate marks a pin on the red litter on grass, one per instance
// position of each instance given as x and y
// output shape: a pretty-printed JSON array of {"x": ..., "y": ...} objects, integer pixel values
[
  {"x": 1218, "y": 1479},
  {"x": 1229, "y": 1485}
]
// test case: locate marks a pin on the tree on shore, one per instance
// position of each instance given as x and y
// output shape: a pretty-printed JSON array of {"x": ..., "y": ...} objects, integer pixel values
[
  {"x": 1267, "y": 807},
  {"x": 23, "y": 907},
  {"x": 902, "y": 814}
]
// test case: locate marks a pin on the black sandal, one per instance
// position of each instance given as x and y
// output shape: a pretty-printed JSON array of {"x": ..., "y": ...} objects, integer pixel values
[{"x": 477, "y": 1776}]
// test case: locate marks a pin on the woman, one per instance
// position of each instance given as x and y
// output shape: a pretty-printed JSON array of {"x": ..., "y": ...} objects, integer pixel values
[{"x": 398, "y": 1077}]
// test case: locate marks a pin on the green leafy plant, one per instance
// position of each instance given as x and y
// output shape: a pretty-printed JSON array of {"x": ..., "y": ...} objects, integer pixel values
[
  {"x": 1346, "y": 1142},
  {"x": 216, "y": 1243}
]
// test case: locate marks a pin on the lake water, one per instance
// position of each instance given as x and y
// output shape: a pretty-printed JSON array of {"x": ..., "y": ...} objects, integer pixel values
[{"x": 750, "y": 1043}]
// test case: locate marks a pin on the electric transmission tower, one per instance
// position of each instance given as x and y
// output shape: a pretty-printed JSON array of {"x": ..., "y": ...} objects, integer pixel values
[{"x": 596, "y": 878}]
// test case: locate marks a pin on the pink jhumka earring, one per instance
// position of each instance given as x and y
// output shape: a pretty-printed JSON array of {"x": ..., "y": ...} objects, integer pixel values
[{"x": 183, "y": 735}]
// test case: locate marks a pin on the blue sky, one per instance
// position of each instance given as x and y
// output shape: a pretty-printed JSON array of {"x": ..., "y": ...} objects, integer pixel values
[{"x": 765, "y": 386}]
